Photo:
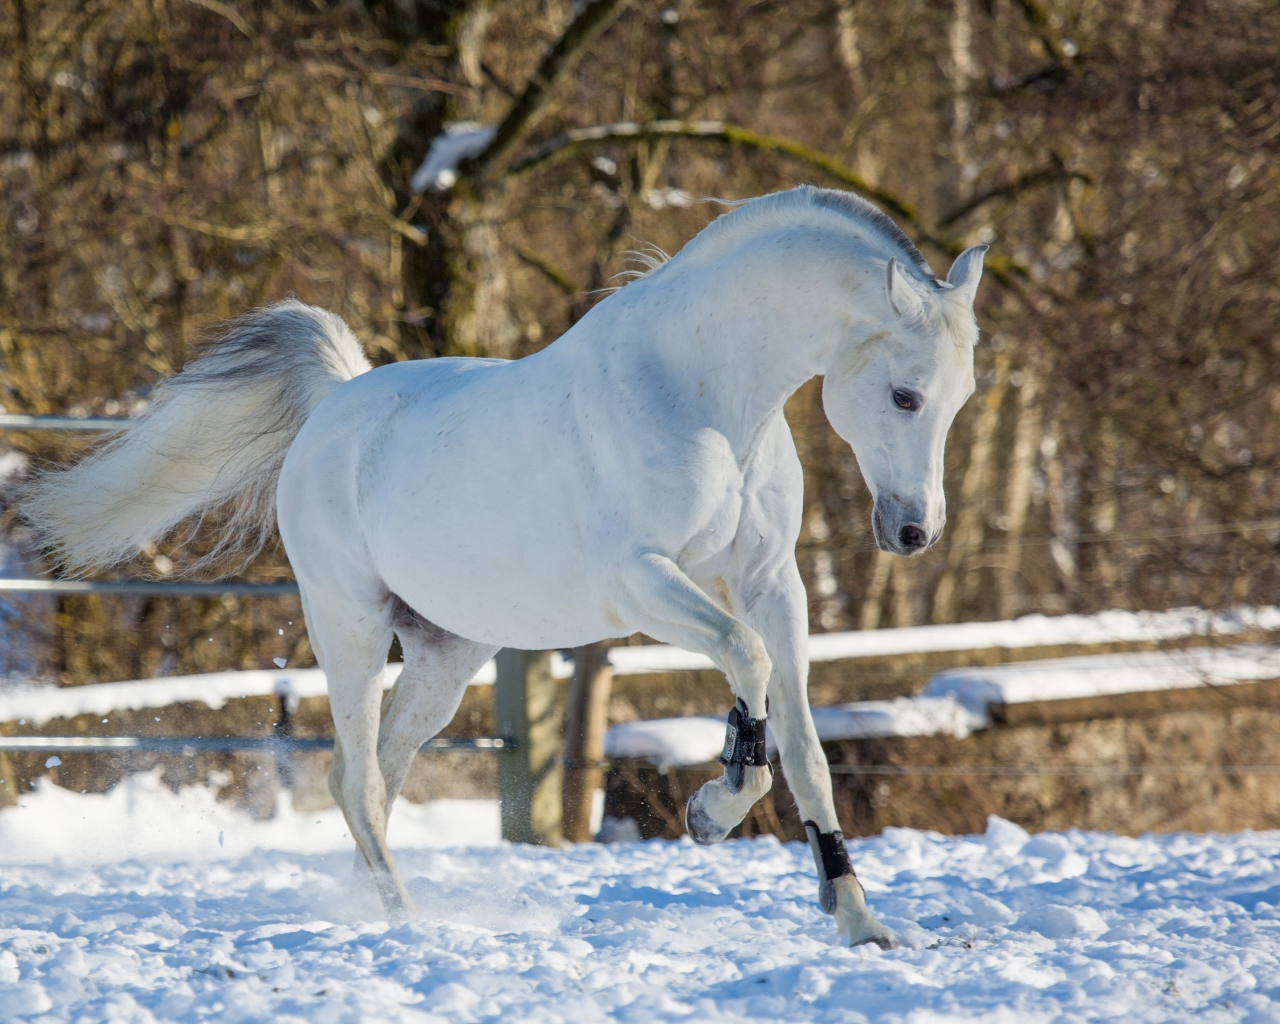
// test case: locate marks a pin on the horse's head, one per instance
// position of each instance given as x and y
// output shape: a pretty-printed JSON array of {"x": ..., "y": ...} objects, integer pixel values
[{"x": 892, "y": 390}]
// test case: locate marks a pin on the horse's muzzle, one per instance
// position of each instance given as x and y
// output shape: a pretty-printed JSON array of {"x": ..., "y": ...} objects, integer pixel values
[{"x": 899, "y": 528}]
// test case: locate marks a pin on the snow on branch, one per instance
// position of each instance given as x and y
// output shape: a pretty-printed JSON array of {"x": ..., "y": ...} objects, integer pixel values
[{"x": 459, "y": 141}]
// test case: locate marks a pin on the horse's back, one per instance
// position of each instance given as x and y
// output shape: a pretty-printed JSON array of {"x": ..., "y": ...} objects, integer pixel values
[{"x": 460, "y": 478}]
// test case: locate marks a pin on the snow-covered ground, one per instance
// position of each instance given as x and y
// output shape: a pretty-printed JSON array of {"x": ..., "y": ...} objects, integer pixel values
[{"x": 126, "y": 907}]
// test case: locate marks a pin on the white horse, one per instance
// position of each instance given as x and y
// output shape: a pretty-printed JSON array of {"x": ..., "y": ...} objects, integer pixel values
[{"x": 635, "y": 476}]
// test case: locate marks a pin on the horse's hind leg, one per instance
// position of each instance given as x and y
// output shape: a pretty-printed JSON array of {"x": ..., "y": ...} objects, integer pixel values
[
  {"x": 438, "y": 665},
  {"x": 350, "y": 638}
]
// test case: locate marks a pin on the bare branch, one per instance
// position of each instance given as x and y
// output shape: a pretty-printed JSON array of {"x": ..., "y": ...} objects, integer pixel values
[
  {"x": 414, "y": 234},
  {"x": 228, "y": 12},
  {"x": 553, "y": 273},
  {"x": 251, "y": 233},
  {"x": 260, "y": 233},
  {"x": 1062, "y": 51},
  {"x": 386, "y": 78},
  {"x": 533, "y": 102},
  {"x": 1003, "y": 269},
  {"x": 719, "y": 130},
  {"x": 1037, "y": 79},
  {"x": 1043, "y": 176}
]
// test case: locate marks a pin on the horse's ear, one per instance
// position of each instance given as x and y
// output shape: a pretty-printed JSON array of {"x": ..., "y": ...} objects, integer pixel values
[
  {"x": 902, "y": 297},
  {"x": 966, "y": 272}
]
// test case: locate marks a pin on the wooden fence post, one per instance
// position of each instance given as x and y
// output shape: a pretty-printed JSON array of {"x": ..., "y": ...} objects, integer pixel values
[
  {"x": 529, "y": 773},
  {"x": 585, "y": 720}
]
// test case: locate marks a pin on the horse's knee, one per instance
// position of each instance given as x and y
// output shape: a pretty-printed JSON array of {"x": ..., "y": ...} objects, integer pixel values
[{"x": 752, "y": 667}]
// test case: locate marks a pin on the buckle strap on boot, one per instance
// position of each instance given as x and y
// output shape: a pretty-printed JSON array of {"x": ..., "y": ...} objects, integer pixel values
[
  {"x": 832, "y": 860},
  {"x": 743, "y": 745}
]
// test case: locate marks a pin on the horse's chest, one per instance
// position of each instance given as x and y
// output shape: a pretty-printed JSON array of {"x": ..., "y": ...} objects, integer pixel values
[
  {"x": 716, "y": 534},
  {"x": 715, "y": 507}
]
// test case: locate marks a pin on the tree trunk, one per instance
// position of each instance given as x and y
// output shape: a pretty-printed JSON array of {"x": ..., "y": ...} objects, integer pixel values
[
  {"x": 869, "y": 618},
  {"x": 1026, "y": 443},
  {"x": 585, "y": 723},
  {"x": 904, "y": 603},
  {"x": 1103, "y": 506},
  {"x": 956, "y": 175},
  {"x": 967, "y": 532},
  {"x": 476, "y": 318},
  {"x": 1061, "y": 492}
]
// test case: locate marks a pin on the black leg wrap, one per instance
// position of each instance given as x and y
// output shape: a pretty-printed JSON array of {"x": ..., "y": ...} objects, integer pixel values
[
  {"x": 832, "y": 860},
  {"x": 743, "y": 746}
]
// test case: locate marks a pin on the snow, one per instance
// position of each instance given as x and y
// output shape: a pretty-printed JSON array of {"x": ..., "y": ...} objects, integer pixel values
[
  {"x": 13, "y": 467},
  {"x": 998, "y": 927},
  {"x": 39, "y": 703},
  {"x": 460, "y": 141},
  {"x": 682, "y": 742},
  {"x": 668, "y": 198},
  {"x": 1106, "y": 674},
  {"x": 1028, "y": 631},
  {"x": 902, "y": 716},
  {"x": 668, "y": 742},
  {"x": 142, "y": 818}
]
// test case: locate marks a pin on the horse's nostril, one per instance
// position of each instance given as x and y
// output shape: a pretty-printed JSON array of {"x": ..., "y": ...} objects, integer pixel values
[{"x": 912, "y": 537}]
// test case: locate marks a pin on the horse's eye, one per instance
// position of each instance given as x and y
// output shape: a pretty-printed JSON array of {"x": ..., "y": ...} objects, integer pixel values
[{"x": 905, "y": 400}]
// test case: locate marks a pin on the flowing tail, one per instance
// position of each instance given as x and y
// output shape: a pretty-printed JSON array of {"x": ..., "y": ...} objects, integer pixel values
[{"x": 212, "y": 440}]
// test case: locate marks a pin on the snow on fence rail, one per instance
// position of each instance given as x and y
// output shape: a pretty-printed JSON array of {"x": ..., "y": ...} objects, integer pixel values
[
  {"x": 959, "y": 702},
  {"x": 40, "y": 703},
  {"x": 1102, "y": 675},
  {"x": 954, "y": 703},
  {"x": 1028, "y": 631}
]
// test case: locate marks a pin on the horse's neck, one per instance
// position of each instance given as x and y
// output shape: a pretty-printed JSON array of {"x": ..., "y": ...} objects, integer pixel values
[{"x": 735, "y": 347}]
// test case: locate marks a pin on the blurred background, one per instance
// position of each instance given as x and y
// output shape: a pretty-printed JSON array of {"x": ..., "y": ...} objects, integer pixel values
[{"x": 166, "y": 164}]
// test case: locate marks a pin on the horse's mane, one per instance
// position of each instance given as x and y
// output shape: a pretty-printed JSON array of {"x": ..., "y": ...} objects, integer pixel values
[{"x": 779, "y": 209}]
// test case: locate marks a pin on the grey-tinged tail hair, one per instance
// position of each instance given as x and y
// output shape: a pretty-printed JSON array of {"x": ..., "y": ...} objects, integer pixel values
[{"x": 212, "y": 440}]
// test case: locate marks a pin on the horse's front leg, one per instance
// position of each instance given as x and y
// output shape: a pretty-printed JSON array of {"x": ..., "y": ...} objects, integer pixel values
[
  {"x": 660, "y": 600},
  {"x": 779, "y": 612}
]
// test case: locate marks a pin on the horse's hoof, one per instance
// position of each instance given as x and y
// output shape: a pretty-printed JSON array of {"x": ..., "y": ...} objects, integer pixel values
[
  {"x": 884, "y": 940},
  {"x": 702, "y": 828},
  {"x": 856, "y": 924},
  {"x": 399, "y": 910},
  {"x": 869, "y": 932}
]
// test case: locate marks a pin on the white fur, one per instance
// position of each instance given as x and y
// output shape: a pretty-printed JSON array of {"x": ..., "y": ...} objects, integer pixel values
[{"x": 636, "y": 475}]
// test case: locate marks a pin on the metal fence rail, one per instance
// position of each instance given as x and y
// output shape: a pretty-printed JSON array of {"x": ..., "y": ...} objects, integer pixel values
[
  {"x": 1053, "y": 771},
  {"x": 23, "y": 421},
  {"x": 190, "y": 745},
  {"x": 149, "y": 588},
  {"x": 126, "y": 588}
]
